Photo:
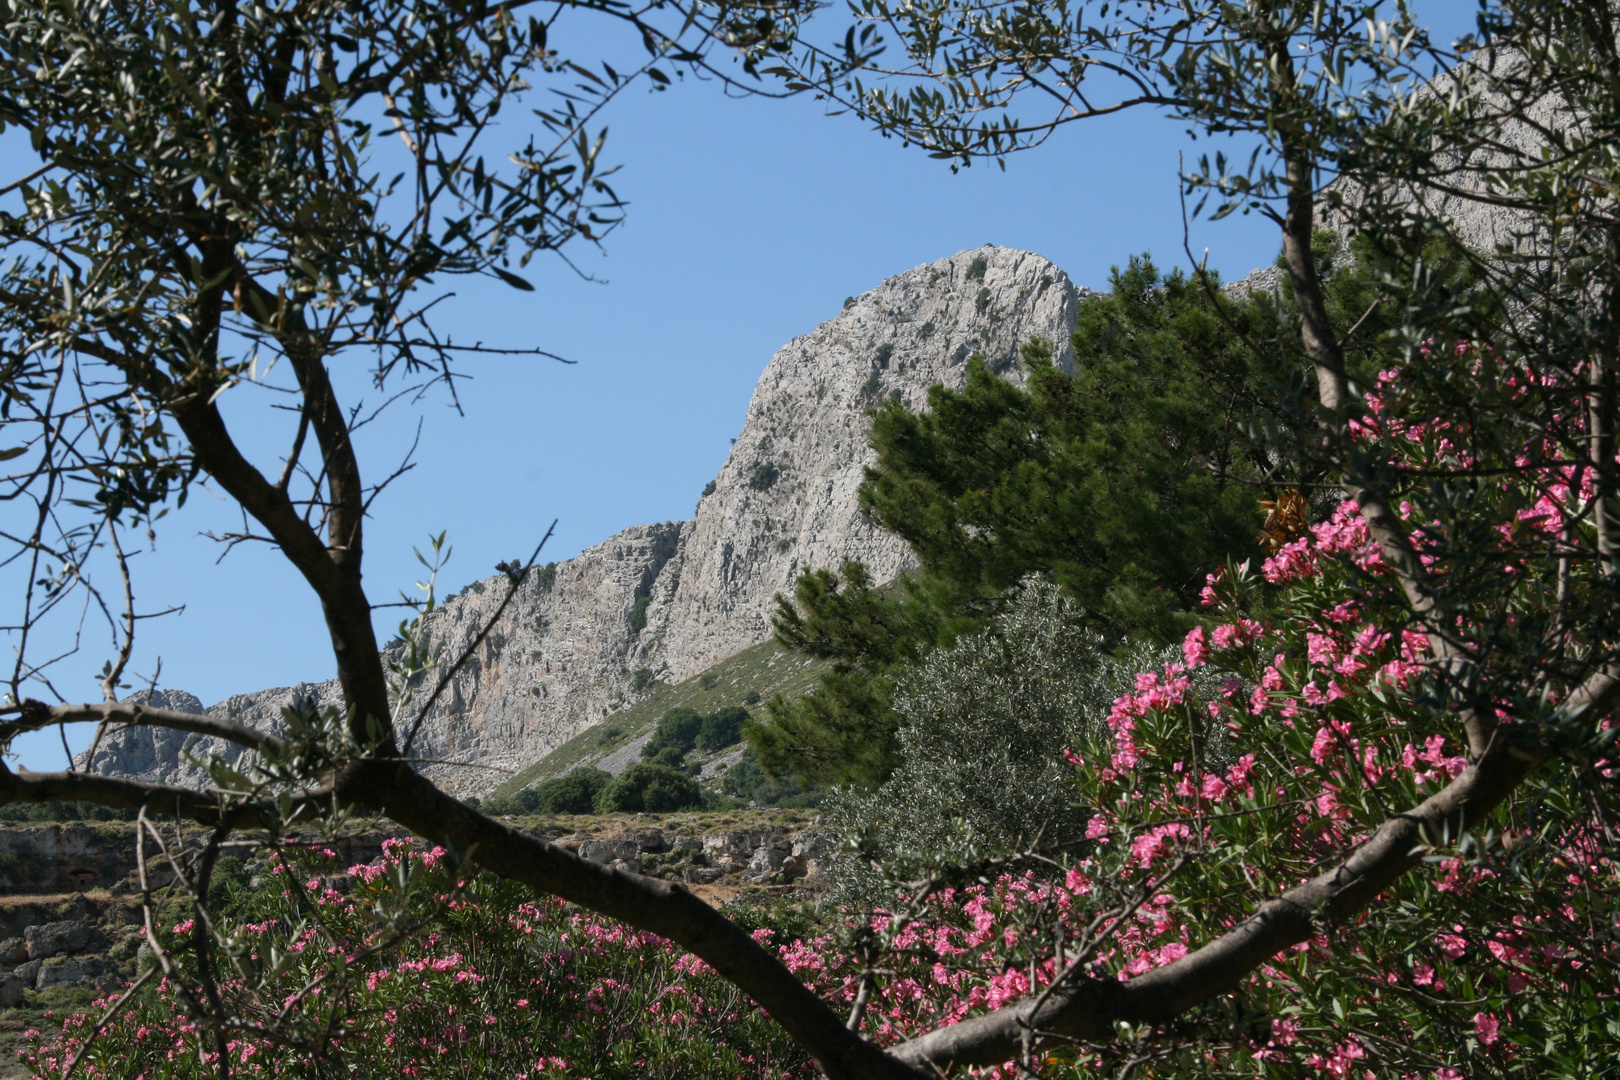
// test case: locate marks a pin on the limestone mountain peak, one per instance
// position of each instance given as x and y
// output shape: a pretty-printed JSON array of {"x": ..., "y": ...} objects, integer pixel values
[{"x": 670, "y": 600}]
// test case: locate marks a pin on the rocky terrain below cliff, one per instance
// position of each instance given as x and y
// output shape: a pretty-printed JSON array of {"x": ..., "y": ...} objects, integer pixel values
[{"x": 664, "y": 603}]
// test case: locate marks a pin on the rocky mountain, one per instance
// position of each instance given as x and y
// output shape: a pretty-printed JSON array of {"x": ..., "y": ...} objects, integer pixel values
[{"x": 668, "y": 601}]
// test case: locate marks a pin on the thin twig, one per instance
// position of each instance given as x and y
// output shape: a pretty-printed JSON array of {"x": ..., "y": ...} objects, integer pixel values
[{"x": 515, "y": 582}]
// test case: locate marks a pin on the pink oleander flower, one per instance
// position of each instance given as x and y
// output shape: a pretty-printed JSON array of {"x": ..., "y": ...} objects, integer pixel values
[
  {"x": 1320, "y": 648},
  {"x": 1292, "y": 562},
  {"x": 1195, "y": 647},
  {"x": 1232, "y": 635},
  {"x": 1370, "y": 640}
]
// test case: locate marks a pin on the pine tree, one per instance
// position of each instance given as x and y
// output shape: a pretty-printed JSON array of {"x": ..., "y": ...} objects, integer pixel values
[{"x": 1125, "y": 482}]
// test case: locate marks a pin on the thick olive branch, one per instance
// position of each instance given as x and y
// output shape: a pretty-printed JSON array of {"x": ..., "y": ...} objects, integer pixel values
[{"x": 34, "y": 715}]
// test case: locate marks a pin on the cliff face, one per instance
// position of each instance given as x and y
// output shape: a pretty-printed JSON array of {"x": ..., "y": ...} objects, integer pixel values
[
  {"x": 670, "y": 600},
  {"x": 785, "y": 502}
]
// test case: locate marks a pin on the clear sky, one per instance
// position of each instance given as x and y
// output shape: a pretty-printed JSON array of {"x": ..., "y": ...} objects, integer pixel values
[{"x": 749, "y": 223}]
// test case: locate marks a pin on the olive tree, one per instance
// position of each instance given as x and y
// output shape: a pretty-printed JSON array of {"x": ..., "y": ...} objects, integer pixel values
[{"x": 219, "y": 186}]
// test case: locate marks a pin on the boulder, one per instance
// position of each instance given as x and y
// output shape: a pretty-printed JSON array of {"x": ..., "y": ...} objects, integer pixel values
[
  {"x": 597, "y": 851},
  {"x": 629, "y": 866},
  {"x": 767, "y": 860},
  {"x": 701, "y": 875},
  {"x": 815, "y": 843},
  {"x": 71, "y": 970},
  {"x": 59, "y": 971},
  {"x": 58, "y": 938},
  {"x": 11, "y": 991},
  {"x": 649, "y": 841},
  {"x": 13, "y": 950},
  {"x": 743, "y": 842}
]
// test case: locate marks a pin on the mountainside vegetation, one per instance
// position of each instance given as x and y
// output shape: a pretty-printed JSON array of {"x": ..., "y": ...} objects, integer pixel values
[{"x": 742, "y": 681}]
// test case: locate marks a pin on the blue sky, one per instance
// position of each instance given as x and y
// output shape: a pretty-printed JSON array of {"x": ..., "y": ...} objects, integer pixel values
[{"x": 749, "y": 222}]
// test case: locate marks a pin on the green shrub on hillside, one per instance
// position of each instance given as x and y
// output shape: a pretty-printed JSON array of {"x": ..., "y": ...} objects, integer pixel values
[
  {"x": 671, "y": 757},
  {"x": 765, "y": 474},
  {"x": 681, "y": 730},
  {"x": 721, "y": 729},
  {"x": 675, "y": 735},
  {"x": 573, "y": 793},
  {"x": 652, "y": 788},
  {"x": 516, "y": 802},
  {"x": 747, "y": 782},
  {"x": 638, "y": 614}
]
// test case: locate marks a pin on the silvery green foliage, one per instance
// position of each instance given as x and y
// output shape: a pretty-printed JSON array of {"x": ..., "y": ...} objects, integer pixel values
[{"x": 984, "y": 726}]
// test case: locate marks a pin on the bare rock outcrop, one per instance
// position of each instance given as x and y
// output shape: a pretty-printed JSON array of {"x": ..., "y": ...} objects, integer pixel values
[
  {"x": 670, "y": 600},
  {"x": 785, "y": 502}
]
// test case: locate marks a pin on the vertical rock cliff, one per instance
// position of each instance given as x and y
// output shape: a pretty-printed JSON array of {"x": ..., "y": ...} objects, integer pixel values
[{"x": 671, "y": 600}]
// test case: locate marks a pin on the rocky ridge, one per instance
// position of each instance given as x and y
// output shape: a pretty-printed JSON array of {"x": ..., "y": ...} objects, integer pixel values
[{"x": 668, "y": 601}]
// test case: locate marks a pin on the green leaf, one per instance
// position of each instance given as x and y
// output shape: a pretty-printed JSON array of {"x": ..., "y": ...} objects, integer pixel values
[
  {"x": 512, "y": 279},
  {"x": 15, "y": 451}
]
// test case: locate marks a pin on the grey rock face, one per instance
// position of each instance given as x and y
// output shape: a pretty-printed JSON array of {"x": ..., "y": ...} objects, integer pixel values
[
  {"x": 785, "y": 502},
  {"x": 678, "y": 597},
  {"x": 814, "y": 844},
  {"x": 766, "y": 861},
  {"x": 742, "y": 843},
  {"x": 68, "y": 970},
  {"x": 54, "y": 939}
]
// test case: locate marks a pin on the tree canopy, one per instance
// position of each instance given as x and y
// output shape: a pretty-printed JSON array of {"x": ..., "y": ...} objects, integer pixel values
[{"x": 1124, "y": 481}]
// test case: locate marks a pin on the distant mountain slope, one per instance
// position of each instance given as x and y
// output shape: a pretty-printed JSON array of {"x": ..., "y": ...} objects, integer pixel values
[
  {"x": 747, "y": 679},
  {"x": 672, "y": 600}
]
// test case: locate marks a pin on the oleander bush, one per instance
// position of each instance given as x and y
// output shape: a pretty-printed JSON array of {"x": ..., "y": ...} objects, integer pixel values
[{"x": 501, "y": 985}]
